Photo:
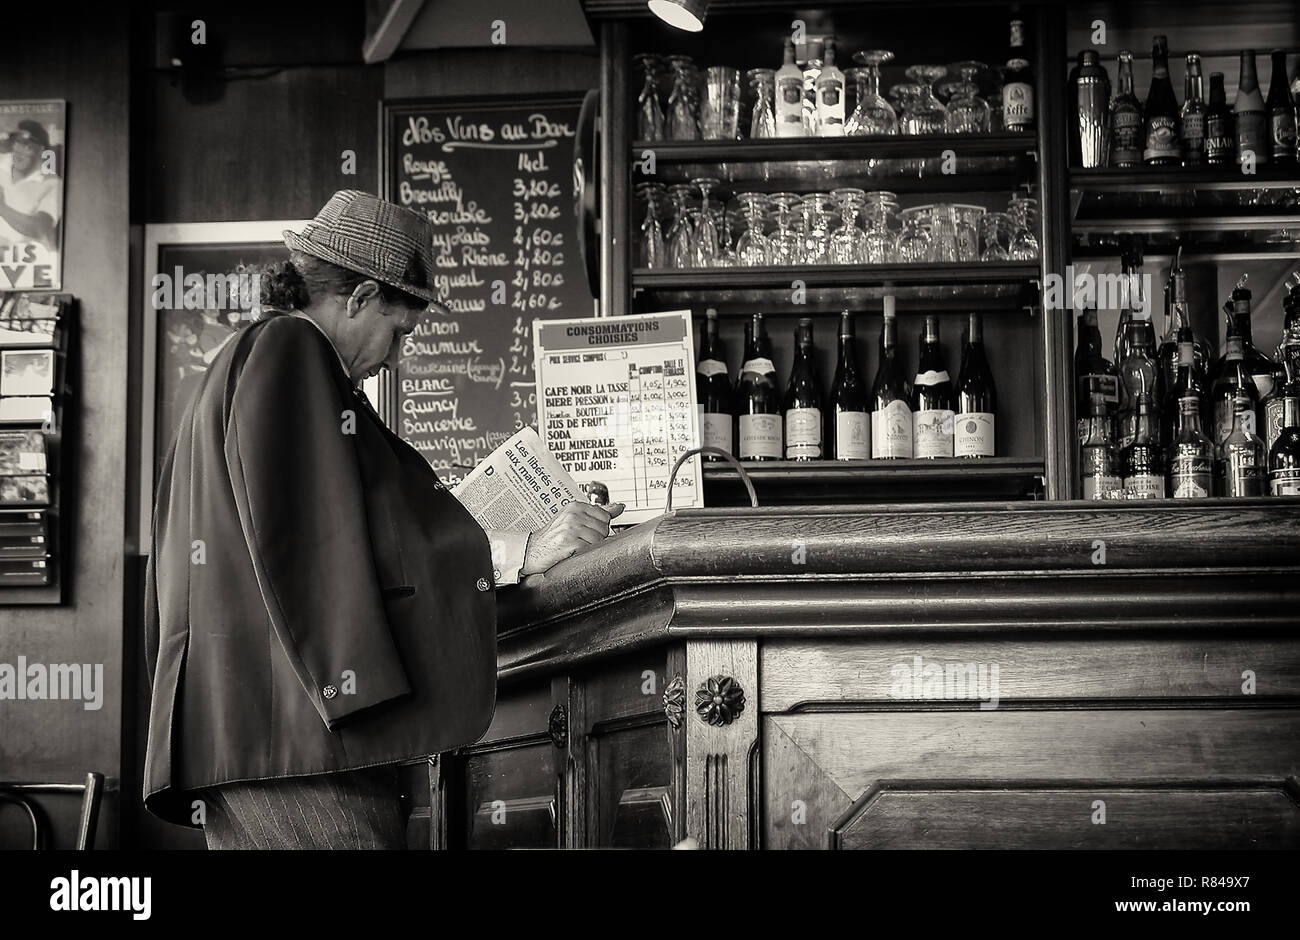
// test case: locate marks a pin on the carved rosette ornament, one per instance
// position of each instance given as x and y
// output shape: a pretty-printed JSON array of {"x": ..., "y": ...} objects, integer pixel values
[
  {"x": 559, "y": 726},
  {"x": 720, "y": 700},
  {"x": 675, "y": 701}
]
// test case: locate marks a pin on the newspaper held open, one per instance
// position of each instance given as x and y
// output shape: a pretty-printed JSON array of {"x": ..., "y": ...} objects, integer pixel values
[{"x": 519, "y": 487}]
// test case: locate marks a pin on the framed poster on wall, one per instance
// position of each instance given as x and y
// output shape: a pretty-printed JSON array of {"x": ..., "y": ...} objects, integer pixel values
[{"x": 32, "y": 159}]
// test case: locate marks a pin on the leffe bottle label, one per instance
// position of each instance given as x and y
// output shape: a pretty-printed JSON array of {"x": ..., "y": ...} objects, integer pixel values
[
  {"x": 852, "y": 435},
  {"x": 932, "y": 433},
  {"x": 1285, "y": 482},
  {"x": 1189, "y": 474},
  {"x": 716, "y": 430},
  {"x": 1162, "y": 139},
  {"x": 891, "y": 431},
  {"x": 1144, "y": 486},
  {"x": 803, "y": 433},
  {"x": 711, "y": 367},
  {"x": 973, "y": 434},
  {"x": 760, "y": 436},
  {"x": 1017, "y": 105}
]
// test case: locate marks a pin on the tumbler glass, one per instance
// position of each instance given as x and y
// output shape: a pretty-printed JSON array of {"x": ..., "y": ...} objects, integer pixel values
[{"x": 720, "y": 110}]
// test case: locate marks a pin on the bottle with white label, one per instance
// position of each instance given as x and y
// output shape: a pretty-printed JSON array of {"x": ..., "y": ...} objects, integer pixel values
[
  {"x": 713, "y": 390},
  {"x": 830, "y": 96},
  {"x": 758, "y": 406},
  {"x": 977, "y": 399},
  {"x": 1140, "y": 462},
  {"x": 1241, "y": 469},
  {"x": 1018, "y": 84},
  {"x": 891, "y": 411},
  {"x": 789, "y": 96},
  {"x": 1098, "y": 460},
  {"x": 932, "y": 398},
  {"x": 850, "y": 431},
  {"x": 1284, "y": 456},
  {"x": 1232, "y": 377},
  {"x": 803, "y": 400},
  {"x": 1189, "y": 466}
]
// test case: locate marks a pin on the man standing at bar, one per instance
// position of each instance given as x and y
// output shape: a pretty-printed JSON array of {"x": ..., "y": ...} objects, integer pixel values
[{"x": 319, "y": 607}]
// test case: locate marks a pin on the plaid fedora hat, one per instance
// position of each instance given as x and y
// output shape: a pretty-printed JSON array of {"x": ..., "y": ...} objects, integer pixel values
[{"x": 374, "y": 237}]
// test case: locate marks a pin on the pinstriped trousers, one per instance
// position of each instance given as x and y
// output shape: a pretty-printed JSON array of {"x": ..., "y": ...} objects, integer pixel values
[{"x": 359, "y": 809}]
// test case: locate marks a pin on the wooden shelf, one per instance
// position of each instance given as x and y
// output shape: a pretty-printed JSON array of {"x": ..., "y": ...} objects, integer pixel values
[
  {"x": 1183, "y": 179},
  {"x": 898, "y": 146},
  {"x": 782, "y": 481}
]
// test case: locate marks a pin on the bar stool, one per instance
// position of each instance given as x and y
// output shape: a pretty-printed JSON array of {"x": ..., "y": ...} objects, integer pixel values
[{"x": 92, "y": 791}]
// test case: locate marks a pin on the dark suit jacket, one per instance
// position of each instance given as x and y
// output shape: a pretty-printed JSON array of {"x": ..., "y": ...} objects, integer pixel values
[{"x": 316, "y": 600}]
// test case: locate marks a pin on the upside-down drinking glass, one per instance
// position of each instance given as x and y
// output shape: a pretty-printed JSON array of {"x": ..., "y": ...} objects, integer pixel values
[
  {"x": 846, "y": 241},
  {"x": 681, "y": 247},
  {"x": 682, "y": 123},
  {"x": 914, "y": 241},
  {"x": 786, "y": 245},
  {"x": 995, "y": 233},
  {"x": 873, "y": 114},
  {"x": 762, "y": 122},
  {"x": 650, "y": 116},
  {"x": 879, "y": 246},
  {"x": 929, "y": 112},
  {"x": 650, "y": 243},
  {"x": 752, "y": 250}
]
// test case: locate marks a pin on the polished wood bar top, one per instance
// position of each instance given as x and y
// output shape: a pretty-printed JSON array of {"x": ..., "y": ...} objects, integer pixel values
[{"x": 868, "y": 570}]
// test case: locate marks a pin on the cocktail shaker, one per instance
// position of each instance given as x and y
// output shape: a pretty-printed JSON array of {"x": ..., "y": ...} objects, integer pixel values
[{"x": 1092, "y": 89}]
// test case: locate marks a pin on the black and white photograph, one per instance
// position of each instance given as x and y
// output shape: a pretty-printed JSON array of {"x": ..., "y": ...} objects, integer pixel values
[{"x": 595, "y": 429}]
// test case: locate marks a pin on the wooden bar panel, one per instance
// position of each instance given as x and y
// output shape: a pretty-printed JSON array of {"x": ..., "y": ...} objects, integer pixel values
[
  {"x": 1072, "y": 818},
  {"x": 718, "y": 784},
  {"x": 800, "y": 674}
]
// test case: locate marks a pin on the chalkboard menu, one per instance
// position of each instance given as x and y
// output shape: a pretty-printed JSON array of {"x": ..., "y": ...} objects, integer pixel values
[{"x": 495, "y": 177}]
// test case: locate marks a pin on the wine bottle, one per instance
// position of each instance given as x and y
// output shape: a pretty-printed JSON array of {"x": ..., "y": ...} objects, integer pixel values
[
  {"x": 1240, "y": 467},
  {"x": 1284, "y": 455},
  {"x": 1094, "y": 374},
  {"x": 714, "y": 389},
  {"x": 789, "y": 95},
  {"x": 1140, "y": 462},
  {"x": 1160, "y": 127},
  {"x": 891, "y": 412},
  {"x": 1192, "y": 118},
  {"x": 1126, "y": 118},
  {"x": 1220, "y": 125},
  {"x": 1098, "y": 458},
  {"x": 803, "y": 400},
  {"x": 1281, "y": 113},
  {"x": 1251, "y": 116},
  {"x": 977, "y": 399},
  {"x": 932, "y": 398},
  {"x": 757, "y": 404},
  {"x": 1189, "y": 465},
  {"x": 1230, "y": 376},
  {"x": 1018, "y": 84},
  {"x": 830, "y": 96},
  {"x": 850, "y": 432}
]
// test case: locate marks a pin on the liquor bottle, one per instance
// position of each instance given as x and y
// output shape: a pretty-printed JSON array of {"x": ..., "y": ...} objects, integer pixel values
[
  {"x": 1189, "y": 464},
  {"x": 802, "y": 406},
  {"x": 1186, "y": 384},
  {"x": 891, "y": 412},
  {"x": 789, "y": 96},
  {"x": 1192, "y": 120},
  {"x": 1018, "y": 84},
  {"x": 1160, "y": 128},
  {"x": 932, "y": 399},
  {"x": 1094, "y": 374},
  {"x": 1137, "y": 374},
  {"x": 1281, "y": 113},
  {"x": 714, "y": 390},
  {"x": 757, "y": 404},
  {"x": 1167, "y": 353},
  {"x": 1287, "y": 384},
  {"x": 1284, "y": 455},
  {"x": 1250, "y": 114},
  {"x": 812, "y": 70},
  {"x": 1098, "y": 458},
  {"x": 1230, "y": 376},
  {"x": 850, "y": 432},
  {"x": 1220, "y": 125},
  {"x": 1141, "y": 462},
  {"x": 1240, "y": 469},
  {"x": 1126, "y": 118},
  {"x": 830, "y": 96},
  {"x": 975, "y": 424},
  {"x": 1261, "y": 368}
]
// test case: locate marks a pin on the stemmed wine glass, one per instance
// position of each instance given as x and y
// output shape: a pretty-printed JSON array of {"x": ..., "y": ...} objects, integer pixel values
[
  {"x": 650, "y": 116},
  {"x": 995, "y": 228},
  {"x": 706, "y": 228},
  {"x": 907, "y": 94},
  {"x": 967, "y": 112},
  {"x": 816, "y": 239},
  {"x": 681, "y": 250},
  {"x": 873, "y": 114},
  {"x": 929, "y": 112},
  {"x": 731, "y": 219},
  {"x": 650, "y": 245},
  {"x": 786, "y": 246},
  {"x": 914, "y": 242},
  {"x": 753, "y": 249},
  {"x": 1023, "y": 211},
  {"x": 682, "y": 123},
  {"x": 762, "y": 122},
  {"x": 879, "y": 245},
  {"x": 846, "y": 242}
]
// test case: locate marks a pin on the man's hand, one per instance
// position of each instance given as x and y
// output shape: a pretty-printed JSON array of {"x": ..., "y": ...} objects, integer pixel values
[{"x": 578, "y": 527}]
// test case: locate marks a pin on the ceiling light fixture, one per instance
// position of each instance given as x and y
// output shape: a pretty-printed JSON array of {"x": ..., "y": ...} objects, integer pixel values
[{"x": 684, "y": 14}]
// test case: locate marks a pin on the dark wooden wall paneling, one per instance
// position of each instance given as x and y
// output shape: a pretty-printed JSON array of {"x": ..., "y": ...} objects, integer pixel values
[{"x": 61, "y": 741}]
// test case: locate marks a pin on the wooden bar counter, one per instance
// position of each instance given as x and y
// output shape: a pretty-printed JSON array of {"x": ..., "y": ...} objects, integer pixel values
[{"x": 1054, "y": 674}]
